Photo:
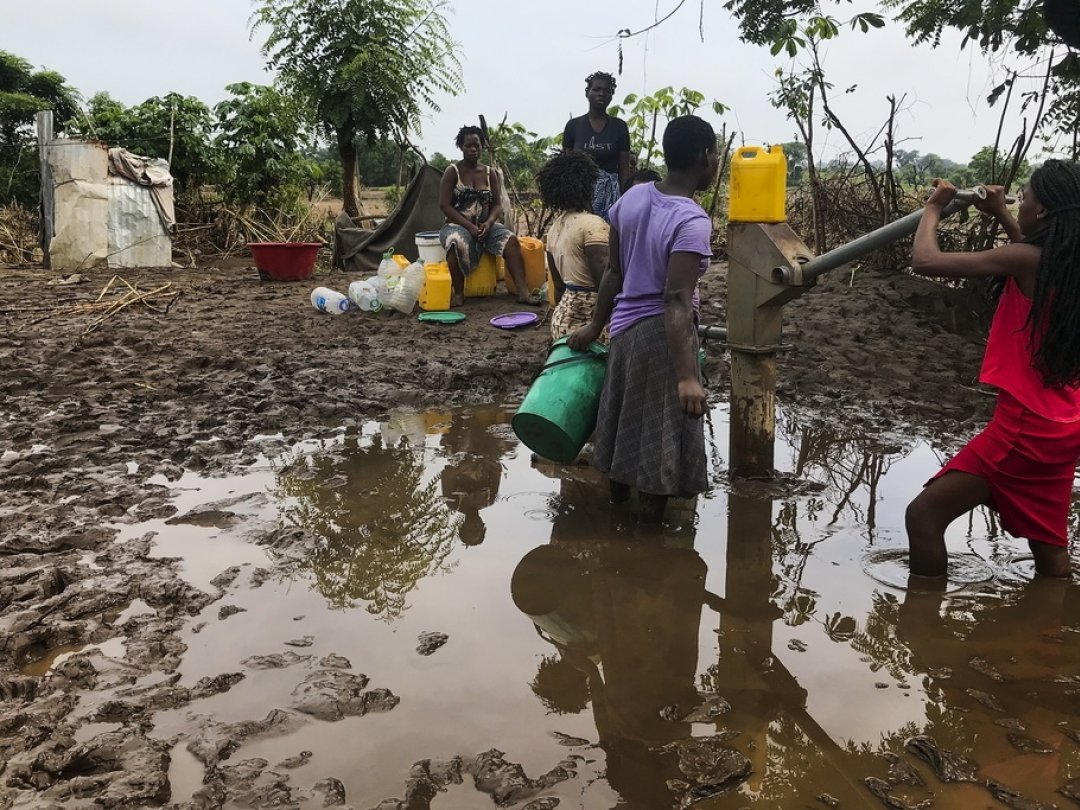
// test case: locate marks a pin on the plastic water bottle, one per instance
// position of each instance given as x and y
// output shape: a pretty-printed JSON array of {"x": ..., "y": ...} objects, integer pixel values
[
  {"x": 364, "y": 296},
  {"x": 388, "y": 267},
  {"x": 379, "y": 283},
  {"x": 331, "y": 301},
  {"x": 404, "y": 289}
]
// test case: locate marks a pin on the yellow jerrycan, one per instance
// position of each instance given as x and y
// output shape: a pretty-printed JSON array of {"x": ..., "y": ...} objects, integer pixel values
[{"x": 758, "y": 184}]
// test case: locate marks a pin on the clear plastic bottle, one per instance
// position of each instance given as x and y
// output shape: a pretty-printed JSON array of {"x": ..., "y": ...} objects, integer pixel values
[
  {"x": 404, "y": 289},
  {"x": 365, "y": 296},
  {"x": 331, "y": 301},
  {"x": 388, "y": 268},
  {"x": 379, "y": 283}
]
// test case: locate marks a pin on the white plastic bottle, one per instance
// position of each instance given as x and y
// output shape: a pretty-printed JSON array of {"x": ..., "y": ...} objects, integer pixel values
[
  {"x": 365, "y": 296},
  {"x": 388, "y": 267},
  {"x": 403, "y": 290},
  {"x": 331, "y": 301}
]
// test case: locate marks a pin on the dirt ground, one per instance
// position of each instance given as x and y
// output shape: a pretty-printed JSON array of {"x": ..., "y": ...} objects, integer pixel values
[{"x": 89, "y": 419}]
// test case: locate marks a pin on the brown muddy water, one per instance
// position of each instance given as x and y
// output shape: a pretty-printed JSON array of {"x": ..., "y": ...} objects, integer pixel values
[{"x": 760, "y": 650}]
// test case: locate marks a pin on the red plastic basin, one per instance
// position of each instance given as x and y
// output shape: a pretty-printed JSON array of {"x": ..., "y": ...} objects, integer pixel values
[{"x": 285, "y": 261}]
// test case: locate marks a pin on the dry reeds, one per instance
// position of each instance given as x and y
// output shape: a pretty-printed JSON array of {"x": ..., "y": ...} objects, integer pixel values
[
  {"x": 158, "y": 300},
  {"x": 18, "y": 235}
]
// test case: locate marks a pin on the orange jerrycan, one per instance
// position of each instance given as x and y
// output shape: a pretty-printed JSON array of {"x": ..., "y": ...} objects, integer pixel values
[
  {"x": 758, "y": 184},
  {"x": 532, "y": 251}
]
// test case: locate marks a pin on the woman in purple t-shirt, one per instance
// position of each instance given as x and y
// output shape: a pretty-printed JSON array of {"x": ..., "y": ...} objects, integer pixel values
[{"x": 649, "y": 432}]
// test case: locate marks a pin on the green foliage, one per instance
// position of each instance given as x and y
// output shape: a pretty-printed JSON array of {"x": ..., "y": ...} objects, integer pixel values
[
  {"x": 646, "y": 116},
  {"x": 23, "y": 93},
  {"x": 1006, "y": 27},
  {"x": 182, "y": 125},
  {"x": 988, "y": 166},
  {"x": 322, "y": 169},
  {"x": 796, "y": 155},
  {"x": 520, "y": 153},
  {"x": 259, "y": 130},
  {"x": 383, "y": 163},
  {"x": 439, "y": 161},
  {"x": 363, "y": 69},
  {"x": 368, "y": 67}
]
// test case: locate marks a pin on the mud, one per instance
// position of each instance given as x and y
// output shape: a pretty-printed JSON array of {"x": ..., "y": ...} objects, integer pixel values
[{"x": 100, "y": 431}]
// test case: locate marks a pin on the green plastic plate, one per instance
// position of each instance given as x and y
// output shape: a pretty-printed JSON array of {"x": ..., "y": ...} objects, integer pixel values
[{"x": 441, "y": 317}]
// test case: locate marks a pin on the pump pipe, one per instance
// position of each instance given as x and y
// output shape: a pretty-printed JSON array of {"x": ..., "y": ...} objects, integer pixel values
[
  {"x": 712, "y": 332},
  {"x": 868, "y": 243}
]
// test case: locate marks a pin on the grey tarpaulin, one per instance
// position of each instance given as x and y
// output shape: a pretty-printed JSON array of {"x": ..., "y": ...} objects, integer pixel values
[
  {"x": 360, "y": 250},
  {"x": 153, "y": 173}
]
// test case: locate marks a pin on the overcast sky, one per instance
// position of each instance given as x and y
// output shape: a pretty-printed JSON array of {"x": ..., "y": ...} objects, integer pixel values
[{"x": 528, "y": 61}]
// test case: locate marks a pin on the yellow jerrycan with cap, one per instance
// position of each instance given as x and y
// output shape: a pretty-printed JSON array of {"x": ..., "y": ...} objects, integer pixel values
[{"x": 758, "y": 190}]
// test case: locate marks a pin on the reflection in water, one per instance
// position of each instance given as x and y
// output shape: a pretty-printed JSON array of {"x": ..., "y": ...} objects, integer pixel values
[
  {"x": 622, "y": 613},
  {"x": 475, "y": 445},
  {"x": 378, "y": 526},
  {"x": 622, "y": 610},
  {"x": 826, "y": 672},
  {"x": 1000, "y": 672},
  {"x": 379, "y": 519}
]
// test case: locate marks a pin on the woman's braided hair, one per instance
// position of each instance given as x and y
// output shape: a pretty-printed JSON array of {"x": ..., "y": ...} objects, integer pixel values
[
  {"x": 592, "y": 77},
  {"x": 1055, "y": 307}
]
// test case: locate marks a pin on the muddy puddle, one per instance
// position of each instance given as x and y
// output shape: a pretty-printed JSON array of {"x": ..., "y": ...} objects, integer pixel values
[{"x": 416, "y": 614}]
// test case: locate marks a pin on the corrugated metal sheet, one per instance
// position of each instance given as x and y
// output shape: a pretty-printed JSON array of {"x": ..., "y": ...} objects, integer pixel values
[
  {"x": 80, "y": 174},
  {"x": 136, "y": 236},
  {"x": 100, "y": 219}
]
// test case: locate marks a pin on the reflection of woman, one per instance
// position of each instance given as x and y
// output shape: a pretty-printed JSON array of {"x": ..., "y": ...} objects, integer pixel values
[
  {"x": 470, "y": 481},
  {"x": 469, "y": 197},
  {"x": 577, "y": 241},
  {"x": 1003, "y": 657},
  {"x": 626, "y": 618},
  {"x": 604, "y": 138}
]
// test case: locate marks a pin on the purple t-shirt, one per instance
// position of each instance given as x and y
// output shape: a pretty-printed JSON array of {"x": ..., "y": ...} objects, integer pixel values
[{"x": 651, "y": 226}]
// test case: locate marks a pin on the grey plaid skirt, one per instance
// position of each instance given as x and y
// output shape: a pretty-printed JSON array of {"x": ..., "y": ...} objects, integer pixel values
[{"x": 643, "y": 438}]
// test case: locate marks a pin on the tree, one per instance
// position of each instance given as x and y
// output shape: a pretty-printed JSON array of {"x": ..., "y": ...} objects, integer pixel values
[
  {"x": 796, "y": 155},
  {"x": 23, "y": 93},
  {"x": 643, "y": 116},
  {"x": 362, "y": 68},
  {"x": 178, "y": 128},
  {"x": 1002, "y": 26},
  {"x": 991, "y": 166},
  {"x": 385, "y": 163},
  {"x": 260, "y": 131},
  {"x": 439, "y": 161}
]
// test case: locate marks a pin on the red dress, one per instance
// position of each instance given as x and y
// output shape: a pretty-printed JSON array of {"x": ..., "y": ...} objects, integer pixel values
[{"x": 1028, "y": 452}]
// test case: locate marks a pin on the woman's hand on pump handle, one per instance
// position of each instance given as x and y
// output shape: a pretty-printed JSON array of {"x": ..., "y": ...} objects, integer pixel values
[
  {"x": 994, "y": 202},
  {"x": 942, "y": 195}
]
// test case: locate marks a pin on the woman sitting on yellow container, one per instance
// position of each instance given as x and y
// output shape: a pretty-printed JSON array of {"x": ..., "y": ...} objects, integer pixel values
[
  {"x": 469, "y": 197},
  {"x": 577, "y": 241}
]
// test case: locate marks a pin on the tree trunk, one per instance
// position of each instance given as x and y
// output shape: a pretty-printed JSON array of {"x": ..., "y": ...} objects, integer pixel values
[{"x": 347, "y": 152}]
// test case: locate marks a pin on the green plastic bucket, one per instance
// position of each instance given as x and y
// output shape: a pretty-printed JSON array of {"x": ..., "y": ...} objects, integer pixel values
[{"x": 559, "y": 413}]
